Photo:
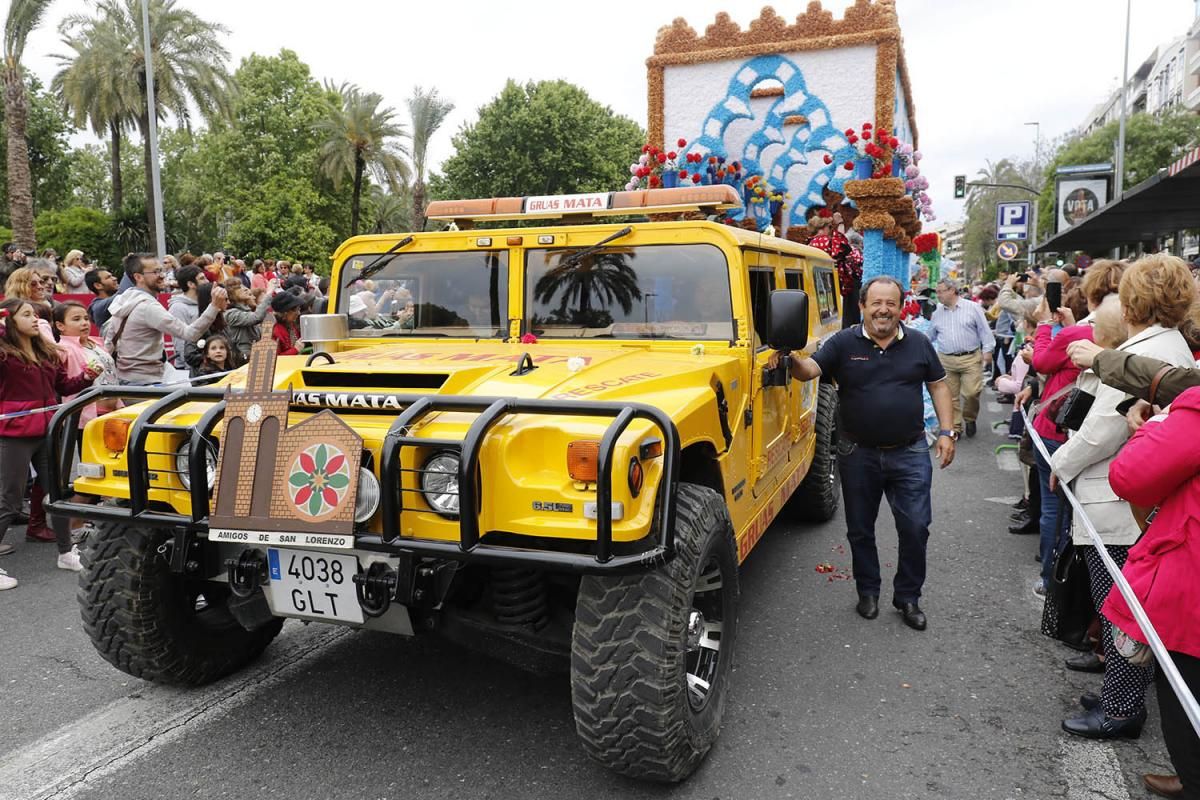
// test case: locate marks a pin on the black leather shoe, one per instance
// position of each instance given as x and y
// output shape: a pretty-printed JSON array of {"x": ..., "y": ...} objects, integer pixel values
[
  {"x": 1025, "y": 528},
  {"x": 868, "y": 606},
  {"x": 1085, "y": 662},
  {"x": 1089, "y": 700},
  {"x": 1022, "y": 504},
  {"x": 1019, "y": 517},
  {"x": 912, "y": 615},
  {"x": 970, "y": 428},
  {"x": 1095, "y": 725}
]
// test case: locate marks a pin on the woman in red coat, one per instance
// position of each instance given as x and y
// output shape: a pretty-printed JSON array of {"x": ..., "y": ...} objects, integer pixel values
[{"x": 1152, "y": 469}]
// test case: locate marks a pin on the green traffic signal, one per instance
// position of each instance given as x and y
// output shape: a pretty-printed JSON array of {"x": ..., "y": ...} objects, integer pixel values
[{"x": 960, "y": 187}]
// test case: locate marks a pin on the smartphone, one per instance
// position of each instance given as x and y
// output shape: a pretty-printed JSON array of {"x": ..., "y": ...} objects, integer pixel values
[{"x": 1054, "y": 295}]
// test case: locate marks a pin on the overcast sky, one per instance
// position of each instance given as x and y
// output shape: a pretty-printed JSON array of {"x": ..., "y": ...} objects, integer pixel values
[{"x": 979, "y": 70}]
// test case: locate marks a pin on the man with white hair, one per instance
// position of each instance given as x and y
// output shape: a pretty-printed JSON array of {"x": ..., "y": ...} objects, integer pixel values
[{"x": 964, "y": 342}]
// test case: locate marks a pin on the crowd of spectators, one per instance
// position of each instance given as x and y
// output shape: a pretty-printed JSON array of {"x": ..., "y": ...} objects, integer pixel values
[
  {"x": 66, "y": 324},
  {"x": 1126, "y": 333}
]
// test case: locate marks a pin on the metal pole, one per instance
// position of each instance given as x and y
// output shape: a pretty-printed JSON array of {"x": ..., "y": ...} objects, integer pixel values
[
  {"x": 152, "y": 112},
  {"x": 1120, "y": 176},
  {"x": 1033, "y": 212}
]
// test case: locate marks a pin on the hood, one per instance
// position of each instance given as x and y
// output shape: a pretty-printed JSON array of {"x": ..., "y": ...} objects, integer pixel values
[
  {"x": 125, "y": 302},
  {"x": 667, "y": 379},
  {"x": 181, "y": 299}
]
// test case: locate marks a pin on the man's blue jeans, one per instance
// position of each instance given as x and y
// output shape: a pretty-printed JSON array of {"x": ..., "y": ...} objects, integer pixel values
[
  {"x": 1049, "y": 526},
  {"x": 904, "y": 475}
]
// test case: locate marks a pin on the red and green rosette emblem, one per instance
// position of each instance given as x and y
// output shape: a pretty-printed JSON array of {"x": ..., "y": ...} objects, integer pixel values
[{"x": 318, "y": 479}]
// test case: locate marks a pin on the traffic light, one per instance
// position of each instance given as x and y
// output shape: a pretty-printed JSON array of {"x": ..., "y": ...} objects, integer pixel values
[{"x": 960, "y": 187}]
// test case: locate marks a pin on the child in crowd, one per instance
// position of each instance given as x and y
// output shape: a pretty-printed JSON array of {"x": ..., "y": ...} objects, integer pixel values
[
  {"x": 286, "y": 306},
  {"x": 219, "y": 356},
  {"x": 32, "y": 375}
]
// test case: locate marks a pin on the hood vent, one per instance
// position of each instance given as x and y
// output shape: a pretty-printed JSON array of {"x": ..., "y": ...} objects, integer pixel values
[{"x": 373, "y": 380}]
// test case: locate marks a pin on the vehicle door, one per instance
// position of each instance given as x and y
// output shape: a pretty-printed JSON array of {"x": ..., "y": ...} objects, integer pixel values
[
  {"x": 770, "y": 406},
  {"x": 802, "y": 395}
]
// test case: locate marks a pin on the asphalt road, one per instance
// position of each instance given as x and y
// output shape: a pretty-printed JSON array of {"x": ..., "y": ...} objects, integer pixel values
[{"x": 823, "y": 705}]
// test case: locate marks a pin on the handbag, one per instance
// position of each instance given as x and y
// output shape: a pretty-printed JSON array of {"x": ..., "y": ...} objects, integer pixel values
[
  {"x": 1069, "y": 610},
  {"x": 1073, "y": 410}
]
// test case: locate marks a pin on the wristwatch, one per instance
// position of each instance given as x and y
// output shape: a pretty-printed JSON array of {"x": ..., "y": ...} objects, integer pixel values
[{"x": 953, "y": 436}]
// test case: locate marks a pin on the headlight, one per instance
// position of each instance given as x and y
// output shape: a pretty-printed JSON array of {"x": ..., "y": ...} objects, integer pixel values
[
  {"x": 367, "y": 501},
  {"x": 439, "y": 483},
  {"x": 181, "y": 464}
]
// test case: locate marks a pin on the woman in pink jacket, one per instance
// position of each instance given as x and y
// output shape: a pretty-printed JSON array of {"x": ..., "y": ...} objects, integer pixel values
[{"x": 1153, "y": 470}]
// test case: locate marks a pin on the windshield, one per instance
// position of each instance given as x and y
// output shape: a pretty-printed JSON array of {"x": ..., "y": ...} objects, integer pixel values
[
  {"x": 650, "y": 292},
  {"x": 429, "y": 294}
]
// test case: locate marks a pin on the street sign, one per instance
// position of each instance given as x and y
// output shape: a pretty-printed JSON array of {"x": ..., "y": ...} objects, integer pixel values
[
  {"x": 1007, "y": 250},
  {"x": 1012, "y": 221}
]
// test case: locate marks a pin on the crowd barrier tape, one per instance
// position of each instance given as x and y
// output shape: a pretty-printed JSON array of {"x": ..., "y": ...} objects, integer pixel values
[
  {"x": 1186, "y": 698},
  {"x": 56, "y": 406}
]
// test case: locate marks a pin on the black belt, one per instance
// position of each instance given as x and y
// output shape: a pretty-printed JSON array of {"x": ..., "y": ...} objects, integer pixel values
[
  {"x": 909, "y": 443},
  {"x": 963, "y": 353}
]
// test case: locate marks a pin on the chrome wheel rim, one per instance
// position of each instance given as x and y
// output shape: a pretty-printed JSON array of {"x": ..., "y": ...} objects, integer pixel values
[{"x": 704, "y": 625}]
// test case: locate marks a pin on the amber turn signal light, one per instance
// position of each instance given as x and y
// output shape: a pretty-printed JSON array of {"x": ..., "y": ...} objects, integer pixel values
[
  {"x": 583, "y": 460},
  {"x": 636, "y": 476},
  {"x": 116, "y": 433}
]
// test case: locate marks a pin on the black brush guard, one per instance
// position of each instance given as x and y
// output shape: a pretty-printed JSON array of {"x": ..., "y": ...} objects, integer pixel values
[{"x": 64, "y": 432}]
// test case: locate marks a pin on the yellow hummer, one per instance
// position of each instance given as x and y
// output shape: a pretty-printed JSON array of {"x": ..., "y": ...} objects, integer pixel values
[{"x": 559, "y": 440}]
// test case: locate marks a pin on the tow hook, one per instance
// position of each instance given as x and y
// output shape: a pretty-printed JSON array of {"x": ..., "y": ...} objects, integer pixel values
[
  {"x": 375, "y": 588},
  {"x": 246, "y": 572}
]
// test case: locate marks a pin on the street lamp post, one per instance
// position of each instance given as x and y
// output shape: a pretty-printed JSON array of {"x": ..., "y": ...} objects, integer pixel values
[
  {"x": 1037, "y": 170},
  {"x": 152, "y": 133},
  {"x": 1120, "y": 176}
]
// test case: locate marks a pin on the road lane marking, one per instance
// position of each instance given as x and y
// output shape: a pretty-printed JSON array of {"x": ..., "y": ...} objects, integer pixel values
[
  {"x": 1091, "y": 770},
  {"x": 62, "y": 763},
  {"x": 1004, "y": 501}
]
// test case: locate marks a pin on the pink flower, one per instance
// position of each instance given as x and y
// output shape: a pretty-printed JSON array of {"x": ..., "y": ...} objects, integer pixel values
[{"x": 528, "y": 338}]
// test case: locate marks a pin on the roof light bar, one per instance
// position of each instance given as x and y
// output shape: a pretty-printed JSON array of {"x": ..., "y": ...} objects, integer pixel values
[{"x": 658, "y": 201}]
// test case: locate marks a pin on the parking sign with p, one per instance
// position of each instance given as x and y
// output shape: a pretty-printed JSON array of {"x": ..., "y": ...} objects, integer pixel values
[{"x": 1012, "y": 221}]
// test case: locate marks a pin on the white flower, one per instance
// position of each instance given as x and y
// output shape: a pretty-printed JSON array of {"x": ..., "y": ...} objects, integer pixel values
[
  {"x": 575, "y": 363},
  {"x": 697, "y": 349}
]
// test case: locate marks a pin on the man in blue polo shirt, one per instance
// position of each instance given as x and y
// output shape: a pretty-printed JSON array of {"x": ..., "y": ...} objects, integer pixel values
[{"x": 880, "y": 367}]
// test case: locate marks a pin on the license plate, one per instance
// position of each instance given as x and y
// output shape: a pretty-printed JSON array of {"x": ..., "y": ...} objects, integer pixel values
[{"x": 313, "y": 585}]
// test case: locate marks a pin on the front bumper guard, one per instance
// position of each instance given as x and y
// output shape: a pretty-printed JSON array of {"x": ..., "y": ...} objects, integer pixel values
[{"x": 64, "y": 432}]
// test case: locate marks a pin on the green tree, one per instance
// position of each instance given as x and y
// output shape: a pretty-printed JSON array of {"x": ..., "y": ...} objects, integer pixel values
[
  {"x": 23, "y": 17},
  {"x": 359, "y": 137},
  {"x": 89, "y": 176},
  {"x": 87, "y": 229},
  {"x": 1151, "y": 144},
  {"x": 252, "y": 184},
  {"x": 95, "y": 87},
  {"x": 427, "y": 112},
  {"x": 979, "y": 239},
  {"x": 188, "y": 66},
  {"x": 548, "y": 137}
]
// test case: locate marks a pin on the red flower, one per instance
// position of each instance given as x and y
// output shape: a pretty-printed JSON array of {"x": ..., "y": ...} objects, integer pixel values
[
  {"x": 528, "y": 338},
  {"x": 849, "y": 165},
  {"x": 654, "y": 181},
  {"x": 672, "y": 155},
  {"x": 825, "y": 213},
  {"x": 866, "y": 134},
  {"x": 887, "y": 169},
  {"x": 849, "y": 131},
  {"x": 662, "y": 158},
  {"x": 645, "y": 148},
  {"x": 853, "y": 139},
  {"x": 828, "y": 158},
  {"x": 683, "y": 173},
  {"x": 682, "y": 143},
  {"x": 892, "y": 142},
  {"x": 695, "y": 179},
  {"x": 866, "y": 126}
]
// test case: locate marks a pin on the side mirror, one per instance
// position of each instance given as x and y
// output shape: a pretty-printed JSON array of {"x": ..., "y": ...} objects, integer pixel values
[{"x": 787, "y": 319}]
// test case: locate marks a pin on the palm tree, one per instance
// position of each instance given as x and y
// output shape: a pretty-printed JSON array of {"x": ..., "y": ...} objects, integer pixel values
[
  {"x": 189, "y": 68},
  {"x": 359, "y": 137},
  {"x": 94, "y": 87},
  {"x": 606, "y": 278},
  {"x": 391, "y": 211},
  {"x": 428, "y": 112},
  {"x": 23, "y": 17}
]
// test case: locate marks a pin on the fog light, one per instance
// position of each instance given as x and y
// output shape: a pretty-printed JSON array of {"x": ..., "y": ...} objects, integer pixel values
[
  {"x": 185, "y": 475},
  {"x": 439, "y": 483}
]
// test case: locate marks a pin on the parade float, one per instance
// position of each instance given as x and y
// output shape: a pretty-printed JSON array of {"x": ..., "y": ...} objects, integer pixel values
[{"x": 810, "y": 120}]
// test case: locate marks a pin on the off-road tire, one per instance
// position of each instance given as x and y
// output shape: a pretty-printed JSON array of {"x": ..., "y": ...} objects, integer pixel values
[
  {"x": 816, "y": 498},
  {"x": 143, "y": 619},
  {"x": 630, "y": 657}
]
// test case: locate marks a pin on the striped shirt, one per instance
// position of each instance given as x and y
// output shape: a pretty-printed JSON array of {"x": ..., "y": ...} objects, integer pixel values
[{"x": 962, "y": 329}]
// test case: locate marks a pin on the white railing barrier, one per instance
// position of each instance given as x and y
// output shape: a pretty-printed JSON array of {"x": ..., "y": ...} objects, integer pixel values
[{"x": 1186, "y": 699}]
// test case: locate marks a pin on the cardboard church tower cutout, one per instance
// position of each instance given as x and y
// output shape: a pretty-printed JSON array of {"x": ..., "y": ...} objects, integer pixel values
[{"x": 272, "y": 477}]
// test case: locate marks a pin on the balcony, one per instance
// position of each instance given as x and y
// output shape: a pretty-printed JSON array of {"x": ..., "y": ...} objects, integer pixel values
[
  {"x": 1193, "y": 63},
  {"x": 1192, "y": 101}
]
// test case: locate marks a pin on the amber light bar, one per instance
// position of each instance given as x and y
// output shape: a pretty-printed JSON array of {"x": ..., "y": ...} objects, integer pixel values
[{"x": 658, "y": 201}]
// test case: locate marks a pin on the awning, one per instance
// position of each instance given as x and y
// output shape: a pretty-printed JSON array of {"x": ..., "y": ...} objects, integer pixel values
[{"x": 1161, "y": 205}]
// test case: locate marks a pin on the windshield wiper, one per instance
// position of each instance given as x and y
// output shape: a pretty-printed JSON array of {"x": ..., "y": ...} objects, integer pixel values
[
  {"x": 379, "y": 263},
  {"x": 575, "y": 257}
]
